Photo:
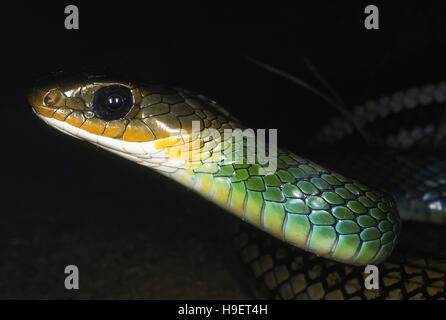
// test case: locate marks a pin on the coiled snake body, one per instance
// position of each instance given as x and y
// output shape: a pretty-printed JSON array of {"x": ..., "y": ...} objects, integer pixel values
[{"x": 301, "y": 203}]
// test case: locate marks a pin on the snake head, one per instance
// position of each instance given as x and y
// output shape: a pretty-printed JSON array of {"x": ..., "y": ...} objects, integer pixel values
[
  {"x": 81, "y": 105},
  {"x": 134, "y": 120}
]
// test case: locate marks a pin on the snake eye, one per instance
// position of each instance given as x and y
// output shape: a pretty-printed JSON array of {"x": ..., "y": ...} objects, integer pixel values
[{"x": 112, "y": 102}]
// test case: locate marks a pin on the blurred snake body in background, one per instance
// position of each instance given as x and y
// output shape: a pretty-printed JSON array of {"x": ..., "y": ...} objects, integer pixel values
[{"x": 302, "y": 203}]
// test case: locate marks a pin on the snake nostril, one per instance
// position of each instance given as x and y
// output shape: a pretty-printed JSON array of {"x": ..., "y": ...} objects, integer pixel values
[
  {"x": 54, "y": 98},
  {"x": 49, "y": 99}
]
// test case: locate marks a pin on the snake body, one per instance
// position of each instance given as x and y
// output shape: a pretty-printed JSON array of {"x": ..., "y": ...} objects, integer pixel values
[
  {"x": 407, "y": 162},
  {"x": 302, "y": 203}
]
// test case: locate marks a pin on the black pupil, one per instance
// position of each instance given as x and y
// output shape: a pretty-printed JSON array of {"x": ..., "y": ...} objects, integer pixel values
[{"x": 112, "y": 102}]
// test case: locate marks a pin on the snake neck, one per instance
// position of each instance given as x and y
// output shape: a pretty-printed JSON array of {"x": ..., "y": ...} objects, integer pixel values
[{"x": 304, "y": 204}]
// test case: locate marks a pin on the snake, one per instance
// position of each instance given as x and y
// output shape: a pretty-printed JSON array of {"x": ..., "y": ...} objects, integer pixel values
[{"x": 304, "y": 211}]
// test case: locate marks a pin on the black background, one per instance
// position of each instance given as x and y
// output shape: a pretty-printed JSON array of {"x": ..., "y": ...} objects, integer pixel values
[{"x": 133, "y": 233}]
